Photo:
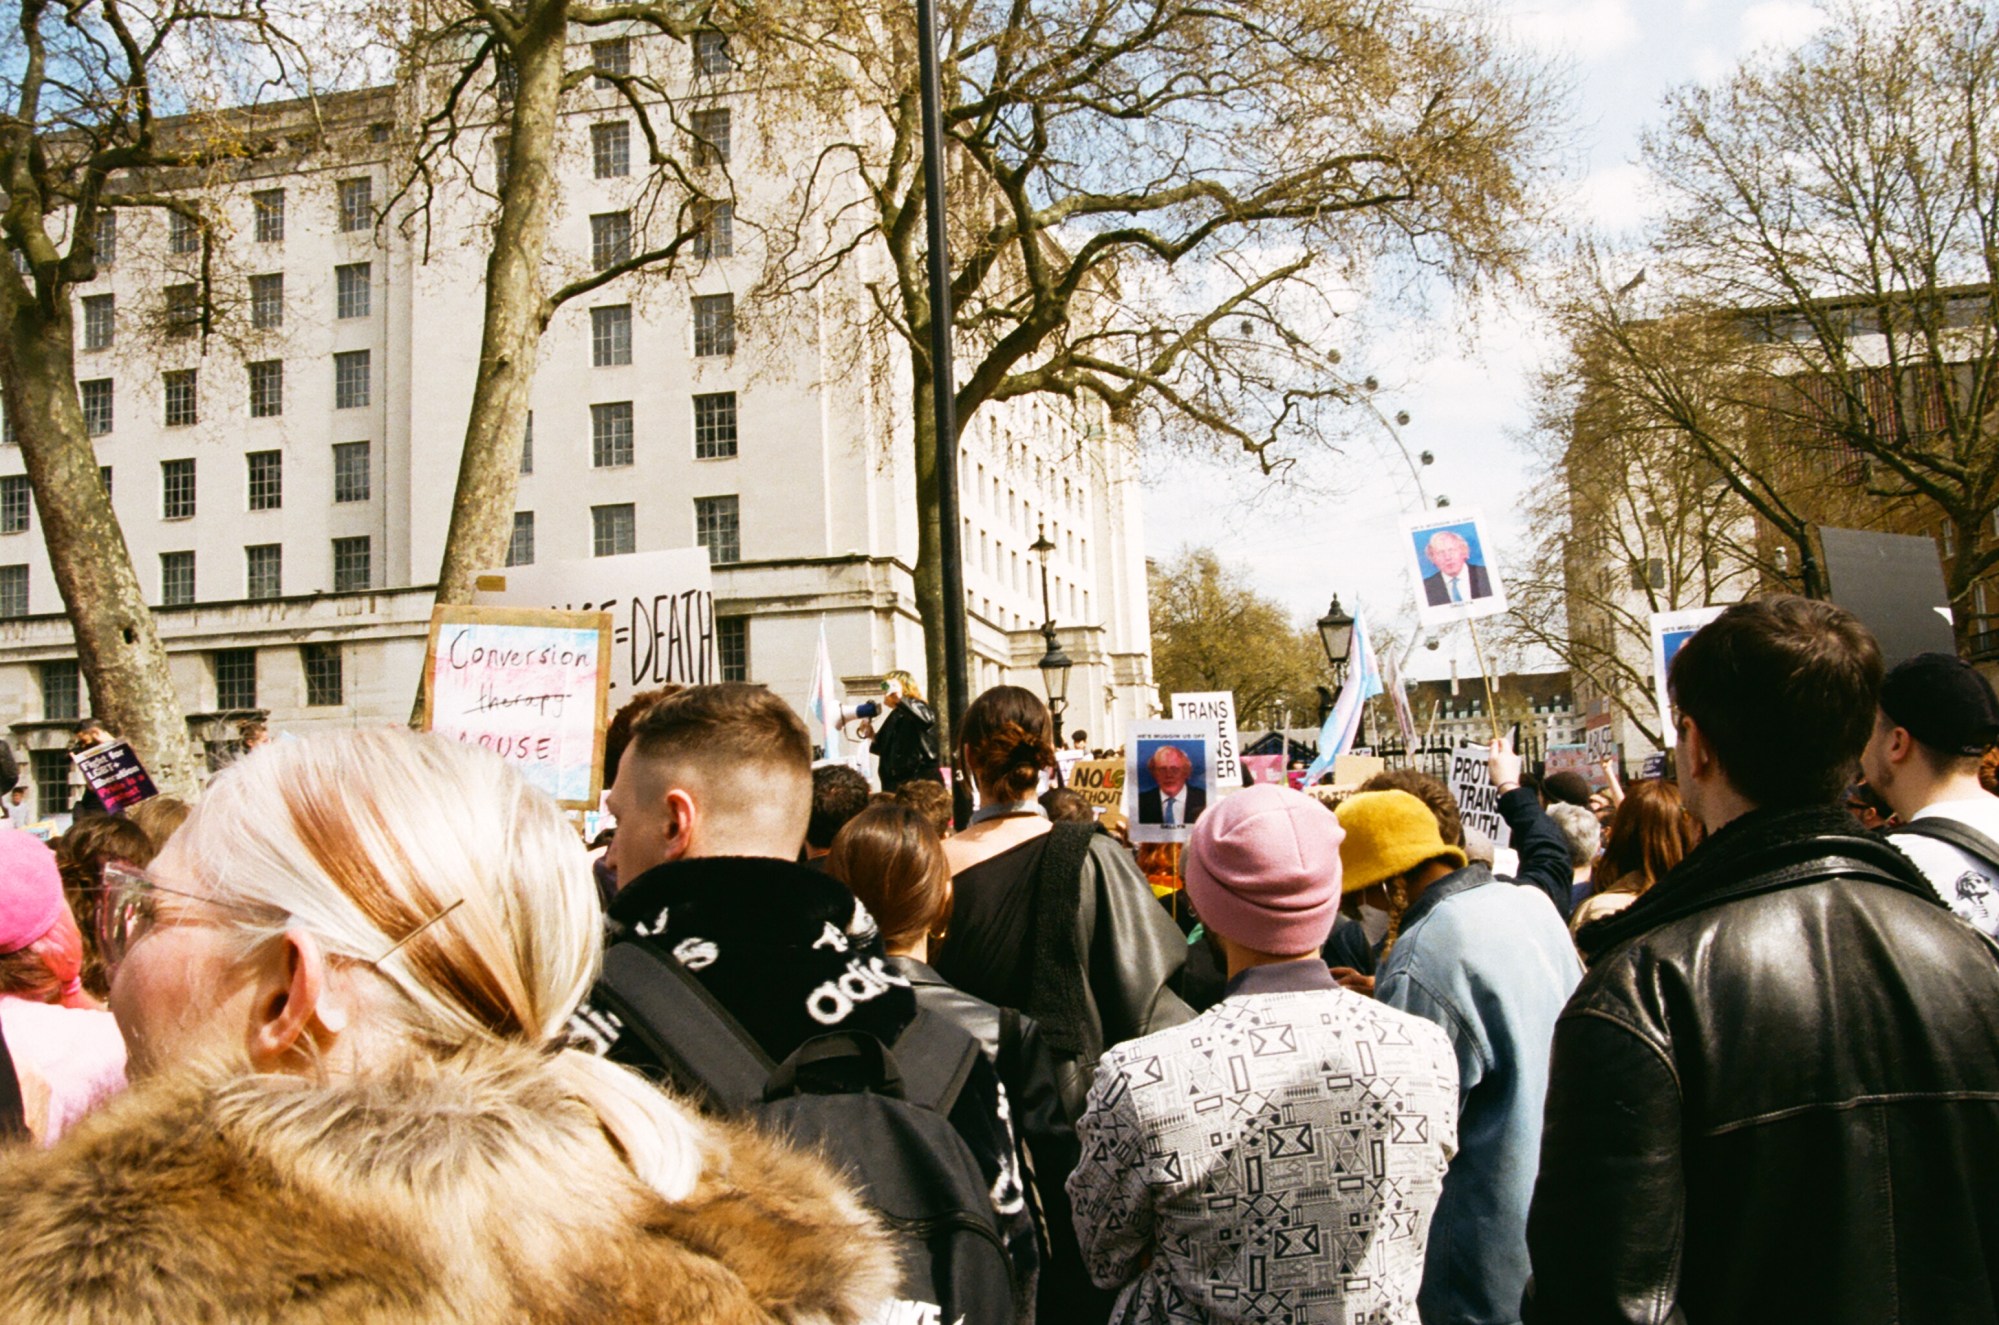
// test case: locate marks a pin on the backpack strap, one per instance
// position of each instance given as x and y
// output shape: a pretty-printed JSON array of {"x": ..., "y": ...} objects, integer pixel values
[
  {"x": 1058, "y": 996},
  {"x": 1958, "y": 834},
  {"x": 13, "y": 1113},
  {"x": 700, "y": 1047},
  {"x": 929, "y": 1065}
]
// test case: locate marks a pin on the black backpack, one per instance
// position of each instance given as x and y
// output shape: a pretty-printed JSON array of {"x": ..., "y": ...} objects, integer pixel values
[{"x": 880, "y": 1113}]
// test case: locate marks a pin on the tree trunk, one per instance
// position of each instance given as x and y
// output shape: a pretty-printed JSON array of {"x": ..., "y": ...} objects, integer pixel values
[
  {"x": 117, "y": 642},
  {"x": 929, "y": 571},
  {"x": 482, "y": 510}
]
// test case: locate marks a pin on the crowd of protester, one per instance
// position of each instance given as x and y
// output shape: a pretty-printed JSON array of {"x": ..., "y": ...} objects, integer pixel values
[{"x": 370, "y": 1034}]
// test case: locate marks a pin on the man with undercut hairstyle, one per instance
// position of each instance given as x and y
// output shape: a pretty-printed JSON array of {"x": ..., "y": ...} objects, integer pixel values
[
  {"x": 1775, "y": 1095},
  {"x": 712, "y": 800}
]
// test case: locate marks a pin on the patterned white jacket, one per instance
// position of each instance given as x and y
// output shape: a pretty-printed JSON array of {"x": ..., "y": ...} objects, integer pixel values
[{"x": 1278, "y": 1158}]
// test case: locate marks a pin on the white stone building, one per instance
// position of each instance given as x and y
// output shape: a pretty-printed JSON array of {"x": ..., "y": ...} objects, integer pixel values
[{"x": 283, "y": 469}]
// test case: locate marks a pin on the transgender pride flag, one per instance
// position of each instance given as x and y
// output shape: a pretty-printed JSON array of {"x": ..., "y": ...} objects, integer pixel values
[{"x": 1343, "y": 723}]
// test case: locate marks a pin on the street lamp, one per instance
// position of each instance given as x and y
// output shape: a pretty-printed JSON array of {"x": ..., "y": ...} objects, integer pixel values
[
  {"x": 1336, "y": 634},
  {"x": 1054, "y": 664}
]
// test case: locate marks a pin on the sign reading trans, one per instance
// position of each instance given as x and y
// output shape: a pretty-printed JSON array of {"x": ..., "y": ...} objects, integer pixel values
[{"x": 662, "y": 607}]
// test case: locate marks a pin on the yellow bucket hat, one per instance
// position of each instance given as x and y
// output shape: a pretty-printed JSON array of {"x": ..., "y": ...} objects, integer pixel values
[{"x": 1388, "y": 833}]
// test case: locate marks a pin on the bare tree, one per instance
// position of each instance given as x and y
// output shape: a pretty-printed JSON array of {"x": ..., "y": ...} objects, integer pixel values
[
  {"x": 1158, "y": 206},
  {"x": 114, "y": 106},
  {"x": 1821, "y": 318}
]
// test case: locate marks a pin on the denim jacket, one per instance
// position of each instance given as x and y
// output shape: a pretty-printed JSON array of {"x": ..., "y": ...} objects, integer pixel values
[{"x": 1492, "y": 965}]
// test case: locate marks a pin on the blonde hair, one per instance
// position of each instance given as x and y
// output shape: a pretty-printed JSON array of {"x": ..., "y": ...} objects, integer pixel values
[{"x": 361, "y": 837}]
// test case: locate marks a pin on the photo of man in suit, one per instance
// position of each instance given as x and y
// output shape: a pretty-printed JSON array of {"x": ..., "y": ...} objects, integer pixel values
[
  {"x": 1457, "y": 578},
  {"x": 1171, "y": 802}
]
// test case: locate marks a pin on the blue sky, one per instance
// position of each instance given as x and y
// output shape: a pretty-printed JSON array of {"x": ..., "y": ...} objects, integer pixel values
[{"x": 1467, "y": 396}]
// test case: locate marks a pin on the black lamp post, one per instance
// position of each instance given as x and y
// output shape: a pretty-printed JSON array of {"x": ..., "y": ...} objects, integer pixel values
[
  {"x": 1336, "y": 635},
  {"x": 1054, "y": 664}
]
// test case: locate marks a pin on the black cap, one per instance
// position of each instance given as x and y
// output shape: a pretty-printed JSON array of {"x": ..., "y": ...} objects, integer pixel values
[{"x": 1943, "y": 702}]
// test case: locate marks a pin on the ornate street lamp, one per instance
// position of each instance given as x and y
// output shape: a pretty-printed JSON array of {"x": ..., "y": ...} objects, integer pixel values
[
  {"x": 1054, "y": 664},
  {"x": 1336, "y": 634}
]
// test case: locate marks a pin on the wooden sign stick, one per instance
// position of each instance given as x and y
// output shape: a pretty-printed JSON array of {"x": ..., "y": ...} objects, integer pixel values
[{"x": 1485, "y": 675}]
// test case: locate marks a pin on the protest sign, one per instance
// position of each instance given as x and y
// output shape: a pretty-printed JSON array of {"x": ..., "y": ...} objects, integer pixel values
[
  {"x": 1352, "y": 770},
  {"x": 529, "y": 686},
  {"x": 1894, "y": 584},
  {"x": 1582, "y": 760},
  {"x": 1066, "y": 761},
  {"x": 662, "y": 607},
  {"x": 1265, "y": 769},
  {"x": 1100, "y": 782},
  {"x": 114, "y": 772},
  {"x": 1168, "y": 770},
  {"x": 1456, "y": 576},
  {"x": 1670, "y": 630},
  {"x": 1654, "y": 766},
  {"x": 1218, "y": 707},
  {"x": 1477, "y": 798}
]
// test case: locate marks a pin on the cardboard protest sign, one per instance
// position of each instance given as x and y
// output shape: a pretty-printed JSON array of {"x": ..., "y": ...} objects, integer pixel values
[
  {"x": 531, "y": 686},
  {"x": 1218, "y": 707},
  {"x": 1168, "y": 769},
  {"x": 1352, "y": 770},
  {"x": 662, "y": 607},
  {"x": 1456, "y": 576},
  {"x": 114, "y": 772},
  {"x": 1670, "y": 630},
  {"x": 1894, "y": 584},
  {"x": 1100, "y": 782},
  {"x": 1477, "y": 798},
  {"x": 1265, "y": 770}
]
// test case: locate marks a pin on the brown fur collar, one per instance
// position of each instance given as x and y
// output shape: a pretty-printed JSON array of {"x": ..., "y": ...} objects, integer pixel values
[{"x": 477, "y": 1189}]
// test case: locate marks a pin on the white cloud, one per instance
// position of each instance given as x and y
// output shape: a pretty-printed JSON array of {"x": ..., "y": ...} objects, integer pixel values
[
  {"x": 1780, "y": 23},
  {"x": 1587, "y": 29},
  {"x": 1618, "y": 197}
]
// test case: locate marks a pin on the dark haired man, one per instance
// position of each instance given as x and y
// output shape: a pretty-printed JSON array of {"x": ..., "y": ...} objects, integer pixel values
[
  {"x": 1775, "y": 1095},
  {"x": 838, "y": 794},
  {"x": 1936, "y": 720}
]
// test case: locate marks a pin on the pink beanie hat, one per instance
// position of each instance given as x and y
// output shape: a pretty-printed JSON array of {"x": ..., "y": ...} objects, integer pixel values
[
  {"x": 31, "y": 898},
  {"x": 1263, "y": 868}
]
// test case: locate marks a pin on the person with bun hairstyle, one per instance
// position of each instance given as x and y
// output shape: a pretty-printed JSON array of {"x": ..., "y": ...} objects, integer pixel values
[
  {"x": 345, "y": 985},
  {"x": 1054, "y": 920}
]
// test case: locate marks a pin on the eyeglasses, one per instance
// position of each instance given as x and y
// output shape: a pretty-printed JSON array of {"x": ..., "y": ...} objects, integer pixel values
[{"x": 128, "y": 908}]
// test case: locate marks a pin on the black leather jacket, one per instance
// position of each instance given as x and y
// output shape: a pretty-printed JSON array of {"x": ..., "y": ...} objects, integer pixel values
[
  {"x": 1775, "y": 1096},
  {"x": 906, "y": 744}
]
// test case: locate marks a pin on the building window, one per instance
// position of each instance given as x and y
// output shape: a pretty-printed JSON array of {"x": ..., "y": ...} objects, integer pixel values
[
  {"x": 527, "y": 445},
  {"x": 611, "y": 149},
  {"x": 610, "y": 238},
  {"x": 235, "y": 678},
  {"x": 353, "y": 283},
  {"x": 100, "y": 321},
  {"x": 183, "y": 311},
  {"x": 611, "y": 435},
  {"x": 14, "y": 590},
  {"x": 15, "y": 499},
  {"x": 183, "y": 233},
  {"x": 105, "y": 250},
  {"x": 264, "y": 570},
  {"x": 613, "y": 532},
  {"x": 353, "y": 564},
  {"x": 267, "y": 300},
  {"x": 350, "y": 379},
  {"x": 612, "y": 59},
  {"x": 611, "y": 336},
  {"x": 269, "y": 208},
  {"x": 520, "y": 550},
  {"x": 51, "y": 769},
  {"x": 715, "y": 426},
  {"x": 718, "y": 527},
  {"x": 711, "y": 136},
  {"x": 714, "y": 229},
  {"x": 267, "y": 388},
  {"x": 97, "y": 398},
  {"x": 325, "y": 685},
  {"x": 267, "y": 480},
  {"x": 176, "y": 579},
  {"x": 711, "y": 53},
  {"x": 183, "y": 403},
  {"x": 357, "y": 204},
  {"x": 714, "y": 324},
  {"x": 350, "y": 472},
  {"x": 732, "y": 647},
  {"x": 62, "y": 691}
]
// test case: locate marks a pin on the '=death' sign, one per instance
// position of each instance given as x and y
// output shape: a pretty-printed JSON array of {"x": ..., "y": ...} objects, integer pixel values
[{"x": 530, "y": 686}]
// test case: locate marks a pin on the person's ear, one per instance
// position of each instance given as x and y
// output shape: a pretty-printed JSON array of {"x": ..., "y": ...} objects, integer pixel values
[
  {"x": 290, "y": 992},
  {"x": 1900, "y": 745},
  {"x": 1696, "y": 757},
  {"x": 682, "y": 824}
]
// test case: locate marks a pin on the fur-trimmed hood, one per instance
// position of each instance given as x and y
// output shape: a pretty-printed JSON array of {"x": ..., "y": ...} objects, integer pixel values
[{"x": 473, "y": 1189}]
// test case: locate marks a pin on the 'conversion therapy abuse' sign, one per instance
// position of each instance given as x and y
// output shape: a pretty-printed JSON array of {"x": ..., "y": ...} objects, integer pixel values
[
  {"x": 662, "y": 607},
  {"x": 528, "y": 685}
]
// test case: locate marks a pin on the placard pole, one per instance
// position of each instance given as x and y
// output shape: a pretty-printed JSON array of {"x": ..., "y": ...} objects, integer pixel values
[{"x": 1485, "y": 675}]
